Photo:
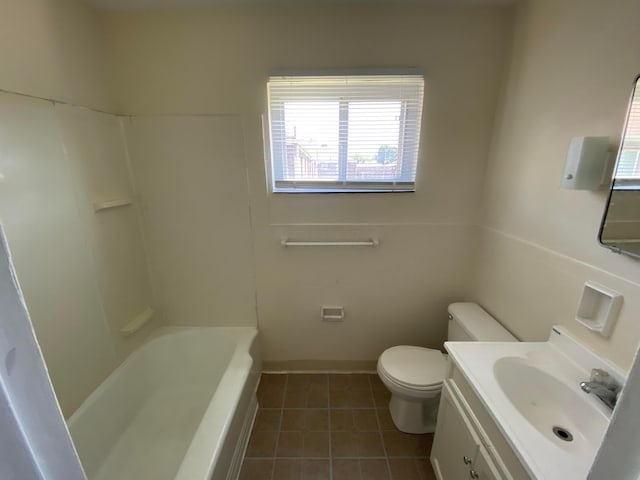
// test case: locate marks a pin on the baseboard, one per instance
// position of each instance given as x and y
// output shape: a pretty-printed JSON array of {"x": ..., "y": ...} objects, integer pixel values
[{"x": 319, "y": 366}]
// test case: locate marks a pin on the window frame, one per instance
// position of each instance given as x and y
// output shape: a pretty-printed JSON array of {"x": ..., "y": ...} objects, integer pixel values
[{"x": 410, "y": 112}]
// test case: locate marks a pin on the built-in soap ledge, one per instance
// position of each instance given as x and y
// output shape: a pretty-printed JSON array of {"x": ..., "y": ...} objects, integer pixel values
[
  {"x": 598, "y": 308},
  {"x": 138, "y": 322},
  {"x": 114, "y": 203}
]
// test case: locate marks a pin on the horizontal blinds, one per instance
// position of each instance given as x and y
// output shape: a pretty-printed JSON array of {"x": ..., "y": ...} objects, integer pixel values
[
  {"x": 629, "y": 157},
  {"x": 347, "y": 132}
]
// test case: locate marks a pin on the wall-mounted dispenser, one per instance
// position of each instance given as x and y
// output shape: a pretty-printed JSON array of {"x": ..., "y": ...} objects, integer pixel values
[{"x": 586, "y": 163}]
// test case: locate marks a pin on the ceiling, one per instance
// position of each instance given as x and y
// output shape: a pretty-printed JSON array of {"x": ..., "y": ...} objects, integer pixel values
[{"x": 158, "y": 4}]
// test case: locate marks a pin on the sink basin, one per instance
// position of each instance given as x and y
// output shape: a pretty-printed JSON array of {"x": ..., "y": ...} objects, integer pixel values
[
  {"x": 562, "y": 412},
  {"x": 530, "y": 388}
]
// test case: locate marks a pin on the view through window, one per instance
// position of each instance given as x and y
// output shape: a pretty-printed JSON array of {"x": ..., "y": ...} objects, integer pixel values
[
  {"x": 628, "y": 170},
  {"x": 345, "y": 133}
]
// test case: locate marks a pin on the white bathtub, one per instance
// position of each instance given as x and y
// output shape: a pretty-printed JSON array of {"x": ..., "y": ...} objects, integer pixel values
[{"x": 181, "y": 406}]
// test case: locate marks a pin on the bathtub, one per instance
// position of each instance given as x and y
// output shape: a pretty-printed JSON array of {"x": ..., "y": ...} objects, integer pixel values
[{"x": 180, "y": 407}]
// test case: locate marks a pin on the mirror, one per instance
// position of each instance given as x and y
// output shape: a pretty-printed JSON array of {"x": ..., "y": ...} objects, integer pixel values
[{"x": 620, "y": 228}]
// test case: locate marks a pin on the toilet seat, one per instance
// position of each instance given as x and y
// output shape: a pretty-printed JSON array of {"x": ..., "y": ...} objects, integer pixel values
[{"x": 414, "y": 368}]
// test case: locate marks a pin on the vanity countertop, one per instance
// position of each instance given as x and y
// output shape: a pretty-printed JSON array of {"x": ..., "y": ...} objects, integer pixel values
[{"x": 530, "y": 387}]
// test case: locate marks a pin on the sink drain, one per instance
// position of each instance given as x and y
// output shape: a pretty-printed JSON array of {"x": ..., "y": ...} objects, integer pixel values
[{"x": 562, "y": 434}]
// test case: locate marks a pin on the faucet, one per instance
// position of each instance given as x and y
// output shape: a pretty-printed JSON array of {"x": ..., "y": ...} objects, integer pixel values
[{"x": 603, "y": 386}]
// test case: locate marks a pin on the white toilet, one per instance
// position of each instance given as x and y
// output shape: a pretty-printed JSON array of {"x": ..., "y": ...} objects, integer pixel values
[{"x": 414, "y": 375}]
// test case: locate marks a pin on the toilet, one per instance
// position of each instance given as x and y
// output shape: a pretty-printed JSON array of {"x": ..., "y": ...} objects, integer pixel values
[{"x": 414, "y": 375}]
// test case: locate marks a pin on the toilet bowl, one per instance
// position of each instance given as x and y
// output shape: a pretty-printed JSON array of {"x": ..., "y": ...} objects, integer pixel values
[{"x": 414, "y": 375}]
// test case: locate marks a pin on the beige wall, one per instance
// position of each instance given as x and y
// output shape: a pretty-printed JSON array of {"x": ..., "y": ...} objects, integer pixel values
[
  {"x": 572, "y": 67},
  {"x": 84, "y": 275},
  {"x": 523, "y": 253},
  {"x": 191, "y": 179},
  {"x": 53, "y": 49},
  {"x": 218, "y": 61}
]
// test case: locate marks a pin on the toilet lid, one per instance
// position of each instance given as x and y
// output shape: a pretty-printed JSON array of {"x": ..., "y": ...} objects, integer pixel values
[{"x": 414, "y": 367}]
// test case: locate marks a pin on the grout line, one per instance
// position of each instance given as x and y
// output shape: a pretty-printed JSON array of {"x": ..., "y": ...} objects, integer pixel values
[
  {"x": 375, "y": 413},
  {"x": 330, "y": 430},
  {"x": 275, "y": 453},
  {"x": 384, "y": 447},
  {"x": 319, "y": 372},
  {"x": 331, "y": 458},
  {"x": 324, "y": 408},
  {"x": 378, "y": 457}
]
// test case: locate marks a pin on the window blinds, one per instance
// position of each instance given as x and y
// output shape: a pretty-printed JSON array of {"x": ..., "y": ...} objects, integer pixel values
[
  {"x": 345, "y": 132},
  {"x": 629, "y": 160}
]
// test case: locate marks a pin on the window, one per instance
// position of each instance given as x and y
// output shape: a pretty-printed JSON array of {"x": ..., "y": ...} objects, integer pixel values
[
  {"x": 628, "y": 170},
  {"x": 345, "y": 133}
]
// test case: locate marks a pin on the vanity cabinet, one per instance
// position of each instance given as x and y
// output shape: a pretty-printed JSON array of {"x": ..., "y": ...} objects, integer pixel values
[
  {"x": 484, "y": 467},
  {"x": 457, "y": 451},
  {"x": 467, "y": 443}
]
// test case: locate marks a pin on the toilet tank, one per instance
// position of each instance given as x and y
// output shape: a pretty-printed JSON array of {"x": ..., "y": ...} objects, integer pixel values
[{"x": 468, "y": 322}]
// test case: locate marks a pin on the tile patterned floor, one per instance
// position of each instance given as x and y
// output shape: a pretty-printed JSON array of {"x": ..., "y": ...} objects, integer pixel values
[{"x": 331, "y": 427}]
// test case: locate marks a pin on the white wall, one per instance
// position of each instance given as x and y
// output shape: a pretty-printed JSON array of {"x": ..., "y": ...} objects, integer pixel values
[
  {"x": 83, "y": 274},
  {"x": 572, "y": 67},
  {"x": 96, "y": 150},
  {"x": 52, "y": 257},
  {"x": 218, "y": 60}
]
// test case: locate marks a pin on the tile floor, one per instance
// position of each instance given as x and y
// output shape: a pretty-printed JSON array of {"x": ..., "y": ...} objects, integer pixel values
[{"x": 331, "y": 427}]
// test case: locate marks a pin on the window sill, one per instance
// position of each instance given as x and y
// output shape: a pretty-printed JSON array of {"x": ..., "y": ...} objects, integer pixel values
[{"x": 325, "y": 191}]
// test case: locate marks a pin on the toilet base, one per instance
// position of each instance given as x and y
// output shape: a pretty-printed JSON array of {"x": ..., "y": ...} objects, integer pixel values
[{"x": 414, "y": 416}]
